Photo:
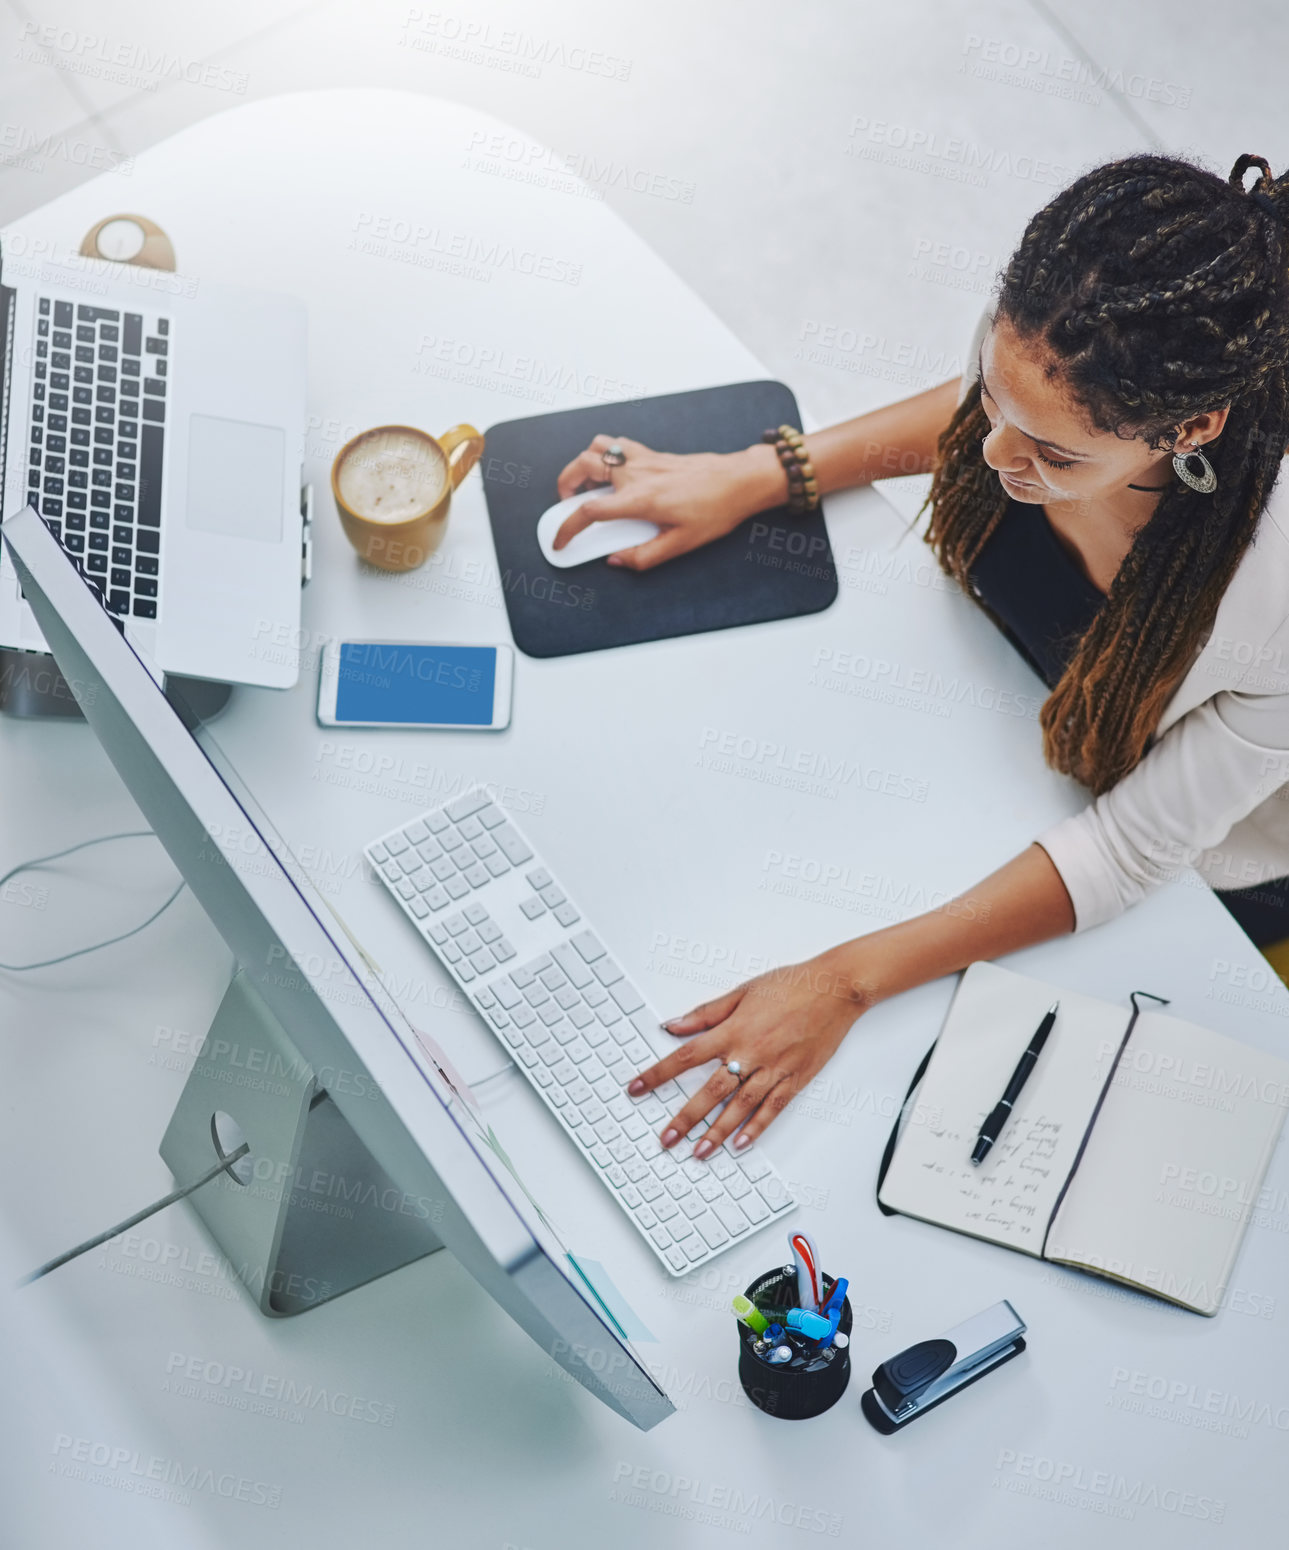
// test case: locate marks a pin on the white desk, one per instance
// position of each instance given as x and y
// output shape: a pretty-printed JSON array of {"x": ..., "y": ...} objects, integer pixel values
[{"x": 696, "y": 864}]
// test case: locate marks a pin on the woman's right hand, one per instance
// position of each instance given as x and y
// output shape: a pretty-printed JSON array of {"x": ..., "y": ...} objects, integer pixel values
[
  {"x": 781, "y": 1027},
  {"x": 693, "y": 498}
]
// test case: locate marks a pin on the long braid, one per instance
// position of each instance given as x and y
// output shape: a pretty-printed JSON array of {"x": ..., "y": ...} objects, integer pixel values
[{"x": 1163, "y": 293}]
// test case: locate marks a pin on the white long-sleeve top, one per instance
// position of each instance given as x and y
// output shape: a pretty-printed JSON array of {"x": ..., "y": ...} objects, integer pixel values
[{"x": 1211, "y": 792}]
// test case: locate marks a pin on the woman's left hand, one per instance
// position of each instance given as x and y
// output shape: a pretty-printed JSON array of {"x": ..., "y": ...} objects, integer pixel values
[{"x": 781, "y": 1028}]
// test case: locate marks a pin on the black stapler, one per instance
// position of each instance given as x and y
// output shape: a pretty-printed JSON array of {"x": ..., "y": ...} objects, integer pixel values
[{"x": 925, "y": 1375}]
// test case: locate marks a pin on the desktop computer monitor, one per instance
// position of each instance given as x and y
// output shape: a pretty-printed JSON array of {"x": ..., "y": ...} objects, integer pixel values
[{"x": 303, "y": 1001}]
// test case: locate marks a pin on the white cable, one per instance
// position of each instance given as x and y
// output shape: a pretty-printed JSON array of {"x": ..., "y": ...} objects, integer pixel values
[
  {"x": 103, "y": 839},
  {"x": 130, "y": 1221}
]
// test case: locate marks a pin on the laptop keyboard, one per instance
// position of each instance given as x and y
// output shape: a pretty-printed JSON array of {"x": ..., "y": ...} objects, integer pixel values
[{"x": 97, "y": 440}]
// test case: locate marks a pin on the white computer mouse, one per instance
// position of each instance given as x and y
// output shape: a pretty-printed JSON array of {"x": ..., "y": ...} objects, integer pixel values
[{"x": 594, "y": 542}]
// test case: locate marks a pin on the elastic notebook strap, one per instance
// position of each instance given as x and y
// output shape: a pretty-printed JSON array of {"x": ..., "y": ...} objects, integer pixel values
[
  {"x": 895, "y": 1132},
  {"x": 1101, "y": 1098}
]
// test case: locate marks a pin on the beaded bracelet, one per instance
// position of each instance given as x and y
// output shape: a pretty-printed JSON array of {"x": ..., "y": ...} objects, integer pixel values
[{"x": 803, "y": 488}]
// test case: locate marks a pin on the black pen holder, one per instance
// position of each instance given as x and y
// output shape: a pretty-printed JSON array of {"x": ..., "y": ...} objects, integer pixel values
[{"x": 792, "y": 1393}]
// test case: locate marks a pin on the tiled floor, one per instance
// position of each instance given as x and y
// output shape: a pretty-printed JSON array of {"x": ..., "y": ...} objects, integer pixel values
[{"x": 838, "y": 180}]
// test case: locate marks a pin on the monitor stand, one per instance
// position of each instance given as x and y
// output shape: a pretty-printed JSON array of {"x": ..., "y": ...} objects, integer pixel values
[
  {"x": 308, "y": 1213},
  {"x": 31, "y": 685}
]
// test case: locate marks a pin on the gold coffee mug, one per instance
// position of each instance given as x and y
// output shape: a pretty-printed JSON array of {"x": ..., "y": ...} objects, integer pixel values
[{"x": 393, "y": 486}]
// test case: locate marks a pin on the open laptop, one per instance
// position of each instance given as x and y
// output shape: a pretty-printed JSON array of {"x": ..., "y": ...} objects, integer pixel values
[{"x": 156, "y": 422}]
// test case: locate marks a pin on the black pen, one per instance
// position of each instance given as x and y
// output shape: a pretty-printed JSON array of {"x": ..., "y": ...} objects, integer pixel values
[{"x": 993, "y": 1126}]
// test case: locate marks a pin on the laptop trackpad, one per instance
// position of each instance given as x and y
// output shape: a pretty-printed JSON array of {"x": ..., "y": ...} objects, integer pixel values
[{"x": 235, "y": 478}]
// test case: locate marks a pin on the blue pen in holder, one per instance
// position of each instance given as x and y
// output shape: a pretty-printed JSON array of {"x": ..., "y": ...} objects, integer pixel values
[{"x": 795, "y": 1391}]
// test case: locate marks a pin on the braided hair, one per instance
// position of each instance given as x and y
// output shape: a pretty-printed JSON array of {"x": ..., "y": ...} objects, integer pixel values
[{"x": 1161, "y": 292}]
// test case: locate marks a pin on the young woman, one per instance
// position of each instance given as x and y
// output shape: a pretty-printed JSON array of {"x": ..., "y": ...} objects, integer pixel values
[{"x": 1103, "y": 489}]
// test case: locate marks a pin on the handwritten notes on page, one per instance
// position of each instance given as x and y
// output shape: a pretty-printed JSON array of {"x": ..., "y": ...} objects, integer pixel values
[{"x": 1010, "y": 1197}]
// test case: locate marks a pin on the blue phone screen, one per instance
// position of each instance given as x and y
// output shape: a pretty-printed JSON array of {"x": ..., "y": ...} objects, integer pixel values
[{"x": 448, "y": 685}]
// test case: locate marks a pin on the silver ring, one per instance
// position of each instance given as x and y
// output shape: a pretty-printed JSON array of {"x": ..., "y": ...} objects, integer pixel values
[
  {"x": 734, "y": 1068},
  {"x": 613, "y": 456}
]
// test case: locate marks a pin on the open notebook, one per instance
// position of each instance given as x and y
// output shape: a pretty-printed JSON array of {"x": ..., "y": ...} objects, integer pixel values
[{"x": 1136, "y": 1150}]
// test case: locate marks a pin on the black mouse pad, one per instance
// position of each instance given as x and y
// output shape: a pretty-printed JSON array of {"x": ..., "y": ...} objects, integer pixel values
[{"x": 773, "y": 566}]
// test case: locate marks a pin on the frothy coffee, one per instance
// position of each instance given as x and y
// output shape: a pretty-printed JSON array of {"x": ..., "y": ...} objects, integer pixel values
[{"x": 392, "y": 476}]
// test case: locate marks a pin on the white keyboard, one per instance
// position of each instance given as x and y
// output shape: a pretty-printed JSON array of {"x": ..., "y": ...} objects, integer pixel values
[{"x": 578, "y": 1028}]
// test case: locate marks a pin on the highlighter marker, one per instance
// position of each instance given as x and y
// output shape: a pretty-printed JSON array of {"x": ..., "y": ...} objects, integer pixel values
[
  {"x": 812, "y": 1325},
  {"x": 751, "y": 1315}
]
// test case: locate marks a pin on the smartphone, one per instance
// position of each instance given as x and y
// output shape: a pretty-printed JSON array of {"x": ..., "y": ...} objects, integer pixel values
[{"x": 386, "y": 683}]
